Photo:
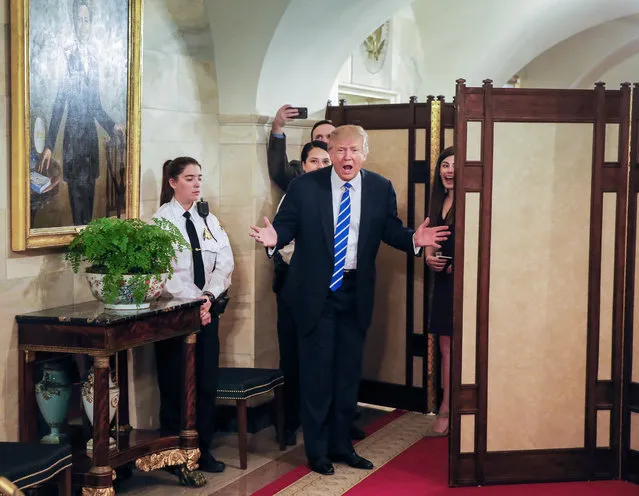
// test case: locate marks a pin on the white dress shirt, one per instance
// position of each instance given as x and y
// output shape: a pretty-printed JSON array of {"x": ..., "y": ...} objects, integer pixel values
[
  {"x": 337, "y": 190},
  {"x": 216, "y": 254}
]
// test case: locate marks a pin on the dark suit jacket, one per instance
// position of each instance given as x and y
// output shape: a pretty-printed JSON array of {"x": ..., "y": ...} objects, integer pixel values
[
  {"x": 306, "y": 215},
  {"x": 282, "y": 171},
  {"x": 80, "y": 94}
]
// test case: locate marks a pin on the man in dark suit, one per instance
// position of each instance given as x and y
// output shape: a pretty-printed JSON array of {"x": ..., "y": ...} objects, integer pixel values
[
  {"x": 79, "y": 93},
  {"x": 338, "y": 217},
  {"x": 282, "y": 171}
]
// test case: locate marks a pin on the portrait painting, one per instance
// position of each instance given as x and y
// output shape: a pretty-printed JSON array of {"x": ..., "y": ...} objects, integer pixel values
[{"x": 75, "y": 86}]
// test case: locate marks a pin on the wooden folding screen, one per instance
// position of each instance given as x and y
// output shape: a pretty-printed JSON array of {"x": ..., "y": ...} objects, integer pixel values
[
  {"x": 400, "y": 364},
  {"x": 630, "y": 414},
  {"x": 538, "y": 309}
]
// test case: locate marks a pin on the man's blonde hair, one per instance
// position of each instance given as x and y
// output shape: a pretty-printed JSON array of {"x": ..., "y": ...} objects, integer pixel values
[{"x": 348, "y": 131}]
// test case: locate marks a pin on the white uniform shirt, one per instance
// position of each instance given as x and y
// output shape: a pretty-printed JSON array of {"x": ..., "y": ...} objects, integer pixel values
[
  {"x": 216, "y": 254},
  {"x": 337, "y": 189}
]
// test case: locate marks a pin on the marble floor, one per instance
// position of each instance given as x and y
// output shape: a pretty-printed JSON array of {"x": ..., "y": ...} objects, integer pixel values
[{"x": 266, "y": 463}]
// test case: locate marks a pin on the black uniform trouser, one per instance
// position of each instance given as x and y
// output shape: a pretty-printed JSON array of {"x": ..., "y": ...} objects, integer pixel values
[
  {"x": 289, "y": 364},
  {"x": 330, "y": 371},
  {"x": 81, "y": 197},
  {"x": 168, "y": 354}
]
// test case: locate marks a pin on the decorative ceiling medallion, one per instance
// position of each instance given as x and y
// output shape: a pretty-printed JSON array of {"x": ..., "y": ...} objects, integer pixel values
[{"x": 375, "y": 47}]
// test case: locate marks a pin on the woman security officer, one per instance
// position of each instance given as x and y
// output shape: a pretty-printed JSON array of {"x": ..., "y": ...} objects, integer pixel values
[{"x": 202, "y": 272}]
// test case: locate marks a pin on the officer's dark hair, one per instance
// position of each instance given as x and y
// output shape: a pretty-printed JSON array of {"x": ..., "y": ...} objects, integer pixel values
[
  {"x": 309, "y": 146},
  {"x": 172, "y": 170}
]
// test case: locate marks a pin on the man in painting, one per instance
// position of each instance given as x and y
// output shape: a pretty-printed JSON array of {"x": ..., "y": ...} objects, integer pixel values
[{"x": 79, "y": 93}]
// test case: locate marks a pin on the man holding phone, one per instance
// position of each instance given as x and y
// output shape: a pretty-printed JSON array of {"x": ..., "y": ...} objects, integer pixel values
[{"x": 281, "y": 171}]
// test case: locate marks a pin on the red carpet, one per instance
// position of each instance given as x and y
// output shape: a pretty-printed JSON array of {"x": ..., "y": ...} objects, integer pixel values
[
  {"x": 299, "y": 472},
  {"x": 423, "y": 470}
]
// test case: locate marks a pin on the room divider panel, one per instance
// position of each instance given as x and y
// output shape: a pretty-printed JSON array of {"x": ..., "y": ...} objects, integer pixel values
[
  {"x": 630, "y": 416},
  {"x": 540, "y": 224},
  {"x": 543, "y": 382}
]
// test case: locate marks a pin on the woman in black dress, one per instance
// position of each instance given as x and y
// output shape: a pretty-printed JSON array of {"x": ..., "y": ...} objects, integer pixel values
[{"x": 442, "y": 211}]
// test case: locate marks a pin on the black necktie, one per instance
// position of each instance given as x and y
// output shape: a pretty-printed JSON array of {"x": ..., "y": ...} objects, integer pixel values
[{"x": 198, "y": 264}]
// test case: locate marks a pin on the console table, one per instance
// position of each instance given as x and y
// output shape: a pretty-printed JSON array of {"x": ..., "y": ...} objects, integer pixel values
[{"x": 89, "y": 329}]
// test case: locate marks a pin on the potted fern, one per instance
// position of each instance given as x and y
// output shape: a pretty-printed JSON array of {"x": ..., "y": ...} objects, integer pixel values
[{"x": 128, "y": 261}]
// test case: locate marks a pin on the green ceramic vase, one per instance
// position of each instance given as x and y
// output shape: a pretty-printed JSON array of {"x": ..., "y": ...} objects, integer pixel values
[{"x": 53, "y": 393}]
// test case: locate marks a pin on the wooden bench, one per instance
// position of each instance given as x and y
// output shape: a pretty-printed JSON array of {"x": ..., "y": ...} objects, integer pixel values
[
  {"x": 28, "y": 465},
  {"x": 240, "y": 384}
]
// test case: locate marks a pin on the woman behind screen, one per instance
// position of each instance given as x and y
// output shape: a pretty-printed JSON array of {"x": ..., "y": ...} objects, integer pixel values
[{"x": 442, "y": 211}]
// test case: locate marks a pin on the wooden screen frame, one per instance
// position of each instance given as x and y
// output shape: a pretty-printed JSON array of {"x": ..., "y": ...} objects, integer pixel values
[
  {"x": 489, "y": 105},
  {"x": 629, "y": 457},
  {"x": 434, "y": 116}
]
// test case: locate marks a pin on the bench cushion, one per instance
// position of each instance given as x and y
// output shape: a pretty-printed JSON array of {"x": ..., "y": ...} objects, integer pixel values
[
  {"x": 241, "y": 383},
  {"x": 28, "y": 464}
]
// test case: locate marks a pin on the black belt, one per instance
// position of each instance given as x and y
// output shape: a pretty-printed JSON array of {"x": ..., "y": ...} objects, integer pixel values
[{"x": 348, "y": 273}]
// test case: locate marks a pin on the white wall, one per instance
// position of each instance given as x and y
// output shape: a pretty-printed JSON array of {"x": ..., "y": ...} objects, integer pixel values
[
  {"x": 404, "y": 61},
  {"x": 587, "y": 57},
  {"x": 179, "y": 116}
]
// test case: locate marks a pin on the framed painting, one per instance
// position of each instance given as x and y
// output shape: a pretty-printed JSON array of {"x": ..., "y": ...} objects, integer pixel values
[{"x": 75, "y": 116}]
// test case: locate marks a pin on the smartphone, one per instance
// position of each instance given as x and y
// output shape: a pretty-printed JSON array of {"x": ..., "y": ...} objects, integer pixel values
[
  {"x": 303, "y": 113},
  {"x": 444, "y": 257}
]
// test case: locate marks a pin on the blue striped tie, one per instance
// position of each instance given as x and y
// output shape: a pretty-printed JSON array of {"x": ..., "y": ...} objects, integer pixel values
[{"x": 341, "y": 239}]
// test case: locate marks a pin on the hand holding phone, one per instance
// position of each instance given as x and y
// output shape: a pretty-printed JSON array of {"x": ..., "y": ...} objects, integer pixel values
[
  {"x": 302, "y": 112},
  {"x": 435, "y": 263}
]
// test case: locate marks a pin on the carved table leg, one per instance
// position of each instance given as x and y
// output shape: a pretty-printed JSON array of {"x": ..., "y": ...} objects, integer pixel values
[
  {"x": 188, "y": 435},
  {"x": 100, "y": 467},
  {"x": 26, "y": 399},
  {"x": 98, "y": 491},
  {"x": 182, "y": 462}
]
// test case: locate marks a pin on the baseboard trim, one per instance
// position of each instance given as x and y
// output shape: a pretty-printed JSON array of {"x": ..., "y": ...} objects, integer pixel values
[
  {"x": 392, "y": 395},
  {"x": 532, "y": 466}
]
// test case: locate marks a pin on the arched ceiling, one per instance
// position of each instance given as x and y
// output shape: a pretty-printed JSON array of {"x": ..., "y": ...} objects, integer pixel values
[{"x": 289, "y": 51}]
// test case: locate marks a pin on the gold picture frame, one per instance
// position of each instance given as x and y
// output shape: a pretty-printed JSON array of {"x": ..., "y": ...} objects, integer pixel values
[{"x": 75, "y": 156}]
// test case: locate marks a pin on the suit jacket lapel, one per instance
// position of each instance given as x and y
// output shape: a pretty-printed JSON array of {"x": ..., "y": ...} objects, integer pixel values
[
  {"x": 365, "y": 217},
  {"x": 326, "y": 209}
]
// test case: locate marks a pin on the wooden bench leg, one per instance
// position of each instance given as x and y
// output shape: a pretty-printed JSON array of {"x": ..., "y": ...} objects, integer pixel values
[
  {"x": 242, "y": 431},
  {"x": 64, "y": 482},
  {"x": 279, "y": 416}
]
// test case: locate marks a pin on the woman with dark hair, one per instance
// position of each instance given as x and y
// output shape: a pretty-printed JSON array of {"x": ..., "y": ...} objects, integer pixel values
[
  {"x": 203, "y": 272},
  {"x": 442, "y": 212},
  {"x": 314, "y": 156}
]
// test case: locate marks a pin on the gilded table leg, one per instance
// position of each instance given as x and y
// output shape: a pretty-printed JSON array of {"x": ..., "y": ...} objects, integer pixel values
[
  {"x": 26, "y": 399},
  {"x": 101, "y": 467},
  {"x": 188, "y": 436},
  {"x": 180, "y": 462},
  {"x": 98, "y": 491}
]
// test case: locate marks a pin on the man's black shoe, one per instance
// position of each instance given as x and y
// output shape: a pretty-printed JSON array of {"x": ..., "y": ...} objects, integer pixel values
[
  {"x": 209, "y": 464},
  {"x": 353, "y": 460},
  {"x": 357, "y": 433},
  {"x": 322, "y": 466}
]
